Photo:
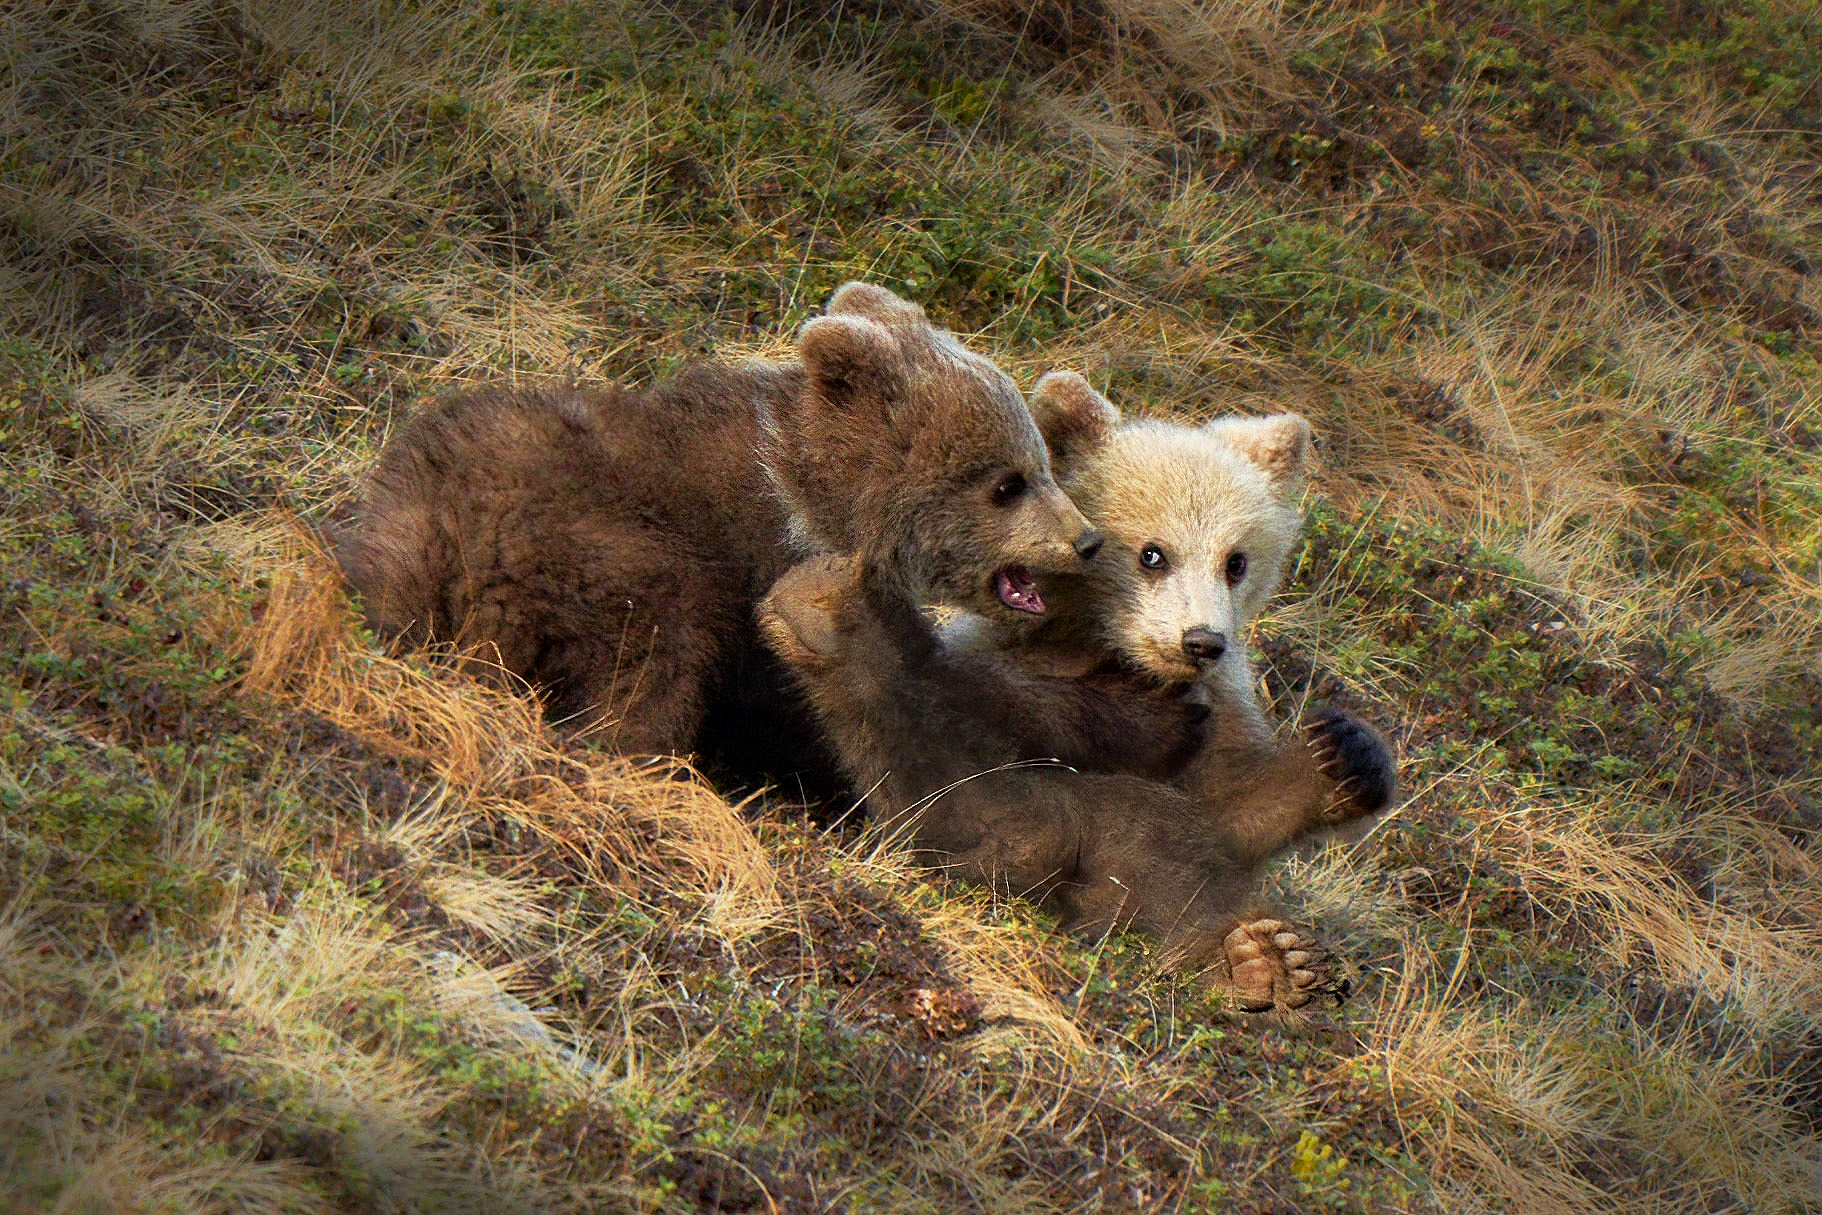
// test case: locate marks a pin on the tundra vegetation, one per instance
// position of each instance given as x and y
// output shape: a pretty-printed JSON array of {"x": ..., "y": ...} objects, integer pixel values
[{"x": 287, "y": 924}]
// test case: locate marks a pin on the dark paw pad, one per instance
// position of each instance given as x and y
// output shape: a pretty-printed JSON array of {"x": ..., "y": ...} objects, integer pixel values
[
  {"x": 1357, "y": 758},
  {"x": 1272, "y": 965}
]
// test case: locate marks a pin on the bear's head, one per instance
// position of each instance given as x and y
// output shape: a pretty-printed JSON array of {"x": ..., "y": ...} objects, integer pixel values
[
  {"x": 910, "y": 449},
  {"x": 1198, "y": 523}
]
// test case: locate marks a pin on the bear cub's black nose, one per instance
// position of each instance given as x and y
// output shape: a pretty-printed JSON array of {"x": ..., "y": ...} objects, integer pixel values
[
  {"x": 1204, "y": 645},
  {"x": 1087, "y": 545}
]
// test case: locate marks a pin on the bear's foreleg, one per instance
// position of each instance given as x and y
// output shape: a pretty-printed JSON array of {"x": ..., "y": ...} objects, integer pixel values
[
  {"x": 1104, "y": 722},
  {"x": 1263, "y": 791}
]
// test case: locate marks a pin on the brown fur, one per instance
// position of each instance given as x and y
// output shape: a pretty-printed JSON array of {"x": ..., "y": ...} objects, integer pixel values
[
  {"x": 608, "y": 546},
  {"x": 529, "y": 529},
  {"x": 1273, "y": 788},
  {"x": 897, "y": 446},
  {"x": 1102, "y": 850},
  {"x": 1104, "y": 720}
]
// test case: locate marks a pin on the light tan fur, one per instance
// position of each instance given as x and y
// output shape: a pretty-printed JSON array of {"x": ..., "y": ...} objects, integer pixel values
[
  {"x": 1200, "y": 497},
  {"x": 1200, "y": 494}
]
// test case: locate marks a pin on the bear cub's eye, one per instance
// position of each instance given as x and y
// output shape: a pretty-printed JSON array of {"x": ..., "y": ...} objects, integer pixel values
[
  {"x": 1152, "y": 558},
  {"x": 1009, "y": 490},
  {"x": 1236, "y": 567}
]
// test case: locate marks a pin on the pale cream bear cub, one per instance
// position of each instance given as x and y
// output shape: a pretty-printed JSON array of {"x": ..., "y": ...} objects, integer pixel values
[{"x": 1198, "y": 524}]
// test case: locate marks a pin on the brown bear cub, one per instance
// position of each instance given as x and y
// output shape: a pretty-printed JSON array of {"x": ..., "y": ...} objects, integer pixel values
[
  {"x": 608, "y": 546},
  {"x": 1100, "y": 849}
]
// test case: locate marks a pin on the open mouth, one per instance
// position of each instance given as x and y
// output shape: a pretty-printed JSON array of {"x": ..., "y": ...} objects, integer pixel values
[{"x": 1018, "y": 590}]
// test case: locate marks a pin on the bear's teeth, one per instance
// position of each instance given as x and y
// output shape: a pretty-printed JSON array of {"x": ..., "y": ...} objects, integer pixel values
[{"x": 1018, "y": 591}]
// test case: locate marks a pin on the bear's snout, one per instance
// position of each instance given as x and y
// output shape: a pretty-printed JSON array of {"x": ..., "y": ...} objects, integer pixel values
[
  {"x": 1052, "y": 536},
  {"x": 1204, "y": 645}
]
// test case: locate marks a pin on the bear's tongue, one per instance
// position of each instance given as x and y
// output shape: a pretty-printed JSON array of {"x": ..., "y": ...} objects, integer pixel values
[{"x": 1018, "y": 590}]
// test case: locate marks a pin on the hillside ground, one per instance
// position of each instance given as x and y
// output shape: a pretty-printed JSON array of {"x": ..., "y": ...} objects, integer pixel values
[{"x": 289, "y": 924}]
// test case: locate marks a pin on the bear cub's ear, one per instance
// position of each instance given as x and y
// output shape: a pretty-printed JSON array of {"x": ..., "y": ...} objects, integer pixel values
[
  {"x": 850, "y": 359},
  {"x": 1073, "y": 418},
  {"x": 1279, "y": 444},
  {"x": 876, "y": 304}
]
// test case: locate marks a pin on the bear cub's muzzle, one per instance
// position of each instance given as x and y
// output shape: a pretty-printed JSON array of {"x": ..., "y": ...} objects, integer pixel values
[{"x": 1204, "y": 646}]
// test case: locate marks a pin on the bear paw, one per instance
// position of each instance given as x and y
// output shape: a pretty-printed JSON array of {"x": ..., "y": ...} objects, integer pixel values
[
  {"x": 1272, "y": 965},
  {"x": 1358, "y": 759}
]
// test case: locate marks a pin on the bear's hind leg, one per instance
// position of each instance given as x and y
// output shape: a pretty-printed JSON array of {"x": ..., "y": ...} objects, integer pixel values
[
  {"x": 662, "y": 626},
  {"x": 1147, "y": 860},
  {"x": 650, "y": 698},
  {"x": 1269, "y": 964},
  {"x": 1013, "y": 831}
]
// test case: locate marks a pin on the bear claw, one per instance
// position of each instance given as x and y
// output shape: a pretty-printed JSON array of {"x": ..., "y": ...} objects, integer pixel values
[
  {"x": 1274, "y": 966},
  {"x": 1353, "y": 755}
]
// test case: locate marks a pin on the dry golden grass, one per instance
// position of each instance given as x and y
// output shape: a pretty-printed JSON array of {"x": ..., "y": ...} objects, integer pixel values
[
  {"x": 1136, "y": 72},
  {"x": 491, "y": 754},
  {"x": 294, "y": 924}
]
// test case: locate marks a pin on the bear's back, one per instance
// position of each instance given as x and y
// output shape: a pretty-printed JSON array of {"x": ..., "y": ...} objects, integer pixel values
[{"x": 507, "y": 492}]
